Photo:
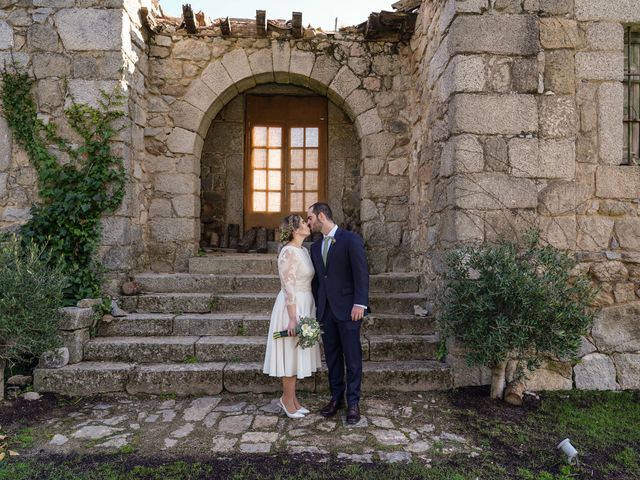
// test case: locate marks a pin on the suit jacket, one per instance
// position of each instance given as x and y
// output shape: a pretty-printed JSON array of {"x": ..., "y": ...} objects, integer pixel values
[{"x": 345, "y": 280}]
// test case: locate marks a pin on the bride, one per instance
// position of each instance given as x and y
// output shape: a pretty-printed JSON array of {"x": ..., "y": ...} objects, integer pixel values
[{"x": 295, "y": 300}]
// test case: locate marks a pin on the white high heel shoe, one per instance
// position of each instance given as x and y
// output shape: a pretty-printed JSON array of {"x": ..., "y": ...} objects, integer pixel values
[
  {"x": 303, "y": 411},
  {"x": 296, "y": 414}
]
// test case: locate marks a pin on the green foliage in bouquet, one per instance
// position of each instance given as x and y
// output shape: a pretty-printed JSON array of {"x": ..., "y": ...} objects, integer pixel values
[
  {"x": 307, "y": 331},
  {"x": 73, "y": 196},
  {"x": 518, "y": 301},
  {"x": 31, "y": 291}
]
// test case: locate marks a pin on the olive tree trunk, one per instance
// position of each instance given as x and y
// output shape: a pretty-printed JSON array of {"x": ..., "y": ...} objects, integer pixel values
[{"x": 498, "y": 380}]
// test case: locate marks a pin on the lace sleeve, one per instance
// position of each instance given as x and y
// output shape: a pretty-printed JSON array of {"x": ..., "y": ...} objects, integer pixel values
[{"x": 287, "y": 266}]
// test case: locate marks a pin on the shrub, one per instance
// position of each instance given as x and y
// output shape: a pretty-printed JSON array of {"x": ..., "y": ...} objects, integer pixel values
[
  {"x": 509, "y": 301},
  {"x": 31, "y": 292}
]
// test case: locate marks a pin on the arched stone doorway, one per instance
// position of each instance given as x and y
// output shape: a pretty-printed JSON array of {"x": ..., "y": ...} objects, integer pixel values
[{"x": 223, "y": 169}]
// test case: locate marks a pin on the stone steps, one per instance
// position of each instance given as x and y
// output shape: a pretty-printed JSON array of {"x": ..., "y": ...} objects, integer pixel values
[
  {"x": 393, "y": 303},
  {"x": 241, "y": 348},
  {"x": 154, "y": 324},
  {"x": 211, "y": 378},
  {"x": 255, "y": 283},
  {"x": 235, "y": 263}
]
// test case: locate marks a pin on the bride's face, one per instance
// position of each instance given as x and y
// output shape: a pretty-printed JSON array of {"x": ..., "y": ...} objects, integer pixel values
[{"x": 303, "y": 229}]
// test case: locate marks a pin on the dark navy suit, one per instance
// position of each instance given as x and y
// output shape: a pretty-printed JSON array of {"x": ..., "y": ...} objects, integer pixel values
[{"x": 336, "y": 288}]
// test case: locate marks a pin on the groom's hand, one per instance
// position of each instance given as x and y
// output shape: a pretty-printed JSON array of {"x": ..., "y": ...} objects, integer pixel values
[{"x": 357, "y": 313}]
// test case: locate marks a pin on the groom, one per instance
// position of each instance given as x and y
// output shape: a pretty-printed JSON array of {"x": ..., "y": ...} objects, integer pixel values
[{"x": 341, "y": 292}]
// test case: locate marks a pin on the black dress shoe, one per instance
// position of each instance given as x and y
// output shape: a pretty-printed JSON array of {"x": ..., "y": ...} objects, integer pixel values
[
  {"x": 353, "y": 414},
  {"x": 331, "y": 408}
]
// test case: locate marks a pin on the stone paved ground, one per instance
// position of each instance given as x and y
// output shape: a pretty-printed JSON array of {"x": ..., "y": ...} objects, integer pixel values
[{"x": 394, "y": 428}]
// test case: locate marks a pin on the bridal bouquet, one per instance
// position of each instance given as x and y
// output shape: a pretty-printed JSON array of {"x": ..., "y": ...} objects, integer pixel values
[{"x": 308, "y": 332}]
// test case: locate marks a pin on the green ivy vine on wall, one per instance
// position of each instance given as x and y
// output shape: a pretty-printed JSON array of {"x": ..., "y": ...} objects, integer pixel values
[{"x": 74, "y": 195}]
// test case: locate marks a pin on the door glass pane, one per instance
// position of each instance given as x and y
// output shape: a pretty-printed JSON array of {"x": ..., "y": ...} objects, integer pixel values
[
  {"x": 259, "y": 136},
  {"x": 274, "y": 202},
  {"x": 312, "y": 137},
  {"x": 312, "y": 158},
  {"x": 275, "y": 180},
  {"x": 297, "y": 137},
  {"x": 310, "y": 198},
  {"x": 296, "y": 203},
  {"x": 275, "y": 157},
  {"x": 311, "y": 180},
  {"x": 275, "y": 136},
  {"x": 259, "y": 158},
  {"x": 296, "y": 158},
  {"x": 259, "y": 179},
  {"x": 297, "y": 180},
  {"x": 259, "y": 201}
]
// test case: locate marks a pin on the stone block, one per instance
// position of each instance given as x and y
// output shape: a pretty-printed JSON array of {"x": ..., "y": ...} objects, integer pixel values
[
  {"x": 324, "y": 71},
  {"x": 359, "y": 101},
  {"x": 191, "y": 49},
  {"x": 379, "y": 233},
  {"x": 530, "y": 157},
  {"x": 615, "y": 181},
  {"x": 176, "y": 183},
  {"x": 6, "y": 36},
  {"x": 368, "y": 211},
  {"x": 281, "y": 53},
  {"x": 617, "y": 329},
  {"x": 493, "y": 114},
  {"x": 343, "y": 84},
  {"x": 556, "y": 7},
  {"x": 237, "y": 65},
  {"x": 368, "y": 123},
  {"x": 600, "y": 66},
  {"x": 465, "y": 73},
  {"x": 550, "y": 376},
  {"x": 378, "y": 144},
  {"x": 462, "y": 226},
  {"x": 174, "y": 229},
  {"x": 57, "y": 358},
  {"x": 628, "y": 233},
  {"x": 462, "y": 154},
  {"x": 624, "y": 292},
  {"x": 51, "y": 65},
  {"x": 610, "y": 122},
  {"x": 3, "y": 184},
  {"x": 115, "y": 230},
  {"x": 609, "y": 271},
  {"x": 564, "y": 198},
  {"x": 559, "y": 72},
  {"x": 525, "y": 75},
  {"x": 605, "y": 36},
  {"x": 628, "y": 368},
  {"x": 510, "y": 225},
  {"x": 42, "y": 37},
  {"x": 595, "y": 372},
  {"x": 560, "y": 232},
  {"x": 16, "y": 214},
  {"x": 182, "y": 141},
  {"x": 558, "y": 116},
  {"x": 594, "y": 233},
  {"x": 74, "y": 341},
  {"x": 625, "y": 11},
  {"x": 75, "y": 318},
  {"x": 492, "y": 191},
  {"x": 496, "y": 154},
  {"x": 375, "y": 186},
  {"x": 204, "y": 378},
  {"x": 89, "y": 91},
  {"x": 559, "y": 33},
  {"x": 261, "y": 63},
  {"x": 186, "y": 206},
  {"x": 498, "y": 34},
  {"x": 5, "y": 144},
  {"x": 217, "y": 78},
  {"x": 90, "y": 28},
  {"x": 301, "y": 62},
  {"x": 87, "y": 378},
  {"x": 186, "y": 116}
]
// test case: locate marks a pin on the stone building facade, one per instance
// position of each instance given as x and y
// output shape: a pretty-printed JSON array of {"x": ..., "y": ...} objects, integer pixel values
[{"x": 497, "y": 115}]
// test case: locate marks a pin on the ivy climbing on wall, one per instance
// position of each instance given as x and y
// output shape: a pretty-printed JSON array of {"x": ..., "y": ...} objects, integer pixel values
[{"x": 74, "y": 194}]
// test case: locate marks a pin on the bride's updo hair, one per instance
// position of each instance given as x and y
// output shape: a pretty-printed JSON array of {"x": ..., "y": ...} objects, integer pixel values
[{"x": 289, "y": 224}]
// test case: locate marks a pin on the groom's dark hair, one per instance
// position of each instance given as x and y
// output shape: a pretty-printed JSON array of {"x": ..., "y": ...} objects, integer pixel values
[{"x": 319, "y": 207}]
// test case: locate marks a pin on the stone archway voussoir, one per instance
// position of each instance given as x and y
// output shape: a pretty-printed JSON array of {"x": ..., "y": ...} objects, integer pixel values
[
  {"x": 368, "y": 123},
  {"x": 237, "y": 66},
  {"x": 261, "y": 63}
]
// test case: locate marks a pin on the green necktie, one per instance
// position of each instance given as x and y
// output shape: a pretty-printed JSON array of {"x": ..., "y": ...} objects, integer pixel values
[{"x": 325, "y": 249}]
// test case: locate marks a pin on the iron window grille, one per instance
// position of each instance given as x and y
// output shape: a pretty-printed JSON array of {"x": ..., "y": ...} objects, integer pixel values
[{"x": 631, "y": 97}]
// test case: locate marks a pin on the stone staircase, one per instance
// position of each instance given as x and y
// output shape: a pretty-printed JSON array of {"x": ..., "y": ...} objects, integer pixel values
[{"x": 205, "y": 331}]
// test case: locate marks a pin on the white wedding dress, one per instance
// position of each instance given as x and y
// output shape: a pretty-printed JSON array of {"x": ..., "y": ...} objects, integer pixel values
[{"x": 283, "y": 358}]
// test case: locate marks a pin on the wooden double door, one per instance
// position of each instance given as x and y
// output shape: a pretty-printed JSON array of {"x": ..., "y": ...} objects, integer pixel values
[{"x": 286, "y": 157}]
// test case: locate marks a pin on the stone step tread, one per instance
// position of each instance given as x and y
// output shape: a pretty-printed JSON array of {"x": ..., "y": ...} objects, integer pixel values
[
  {"x": 242, "y": 316},
  {"x": 273, "y": 295},
  {"x": 250, "y": 275}
]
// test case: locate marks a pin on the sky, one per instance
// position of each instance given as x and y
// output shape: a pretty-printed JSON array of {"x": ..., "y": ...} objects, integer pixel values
[{"x": 318, "y": 13}]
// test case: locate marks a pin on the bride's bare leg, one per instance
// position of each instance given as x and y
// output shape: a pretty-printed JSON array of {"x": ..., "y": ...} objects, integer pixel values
[
  {"x": 289, "y": 393},
  {"x": 297, "y": 403}
]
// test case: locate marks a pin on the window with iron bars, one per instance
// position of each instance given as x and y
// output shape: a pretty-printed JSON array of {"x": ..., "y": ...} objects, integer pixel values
[{"x": 631, "y": 97}]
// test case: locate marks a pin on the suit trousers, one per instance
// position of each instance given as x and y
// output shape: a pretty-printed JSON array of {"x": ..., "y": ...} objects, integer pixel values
[{"x": 341, "y": 341}]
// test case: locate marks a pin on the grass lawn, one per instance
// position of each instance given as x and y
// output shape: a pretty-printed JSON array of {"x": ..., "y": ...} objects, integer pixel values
[{"x": 517, "y": 443}]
